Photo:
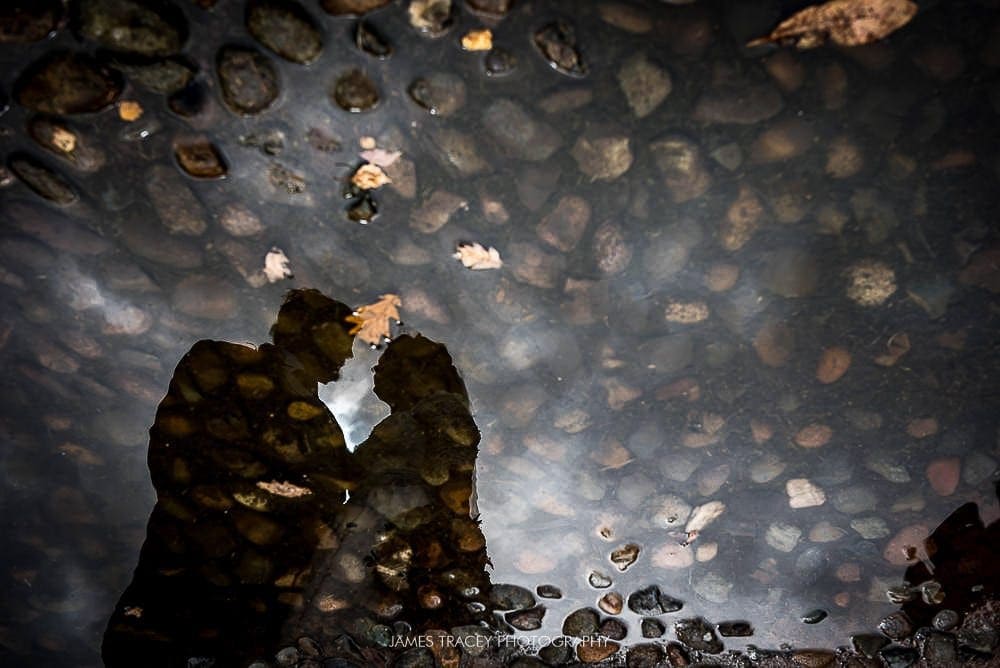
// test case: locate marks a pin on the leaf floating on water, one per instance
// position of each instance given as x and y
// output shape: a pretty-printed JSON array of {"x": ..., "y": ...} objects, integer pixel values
[
  {"x": 284, "y": 488},
  {"x": 477, "y": 40},
  {"x": 475, "y": 256},
  {"x": 369, "y": 176},
  {"x": 372, "y": 322},
  {"x": 701, "y": 517},
  {"x": 129, "y": 110},
  {"x": 843, "y": 22},
  {"x": 276, "y": 265}
]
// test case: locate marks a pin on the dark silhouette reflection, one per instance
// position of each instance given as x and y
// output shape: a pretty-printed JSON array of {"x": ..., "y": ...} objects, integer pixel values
[
  {"x": 267, "y": 529},
  {"x": 961, "y": 573}
]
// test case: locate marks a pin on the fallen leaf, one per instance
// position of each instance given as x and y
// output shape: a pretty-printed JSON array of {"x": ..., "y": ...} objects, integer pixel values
[
  {"x": 129, "y": 110},
  {"x": 843, "y": 22},
  {"x": 897, "y": 346},
  {"x": 477, "y": 40},
  {"x": 371, "y": 322},
  {"x": 284, "y": 488},
  {"x": 380, "y": 157},
  {"x": 276, "y": 265},
  {"x": 369, "y": 176},
  {"x": 475, "y": 256}
]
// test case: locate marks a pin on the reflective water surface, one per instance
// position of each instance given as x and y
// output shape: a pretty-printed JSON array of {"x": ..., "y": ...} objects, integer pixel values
[{"x": 741, "y": 347}]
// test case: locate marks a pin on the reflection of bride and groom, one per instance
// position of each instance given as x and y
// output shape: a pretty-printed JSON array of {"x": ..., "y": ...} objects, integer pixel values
[{"x": 267, "y": 528}]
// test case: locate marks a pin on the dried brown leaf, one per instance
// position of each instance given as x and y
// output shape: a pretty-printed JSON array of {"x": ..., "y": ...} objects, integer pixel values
[
  {"x": 372, "y": 322},
  {"x": 369, "y": 176},
  {"x": 475, "y": 256},
  {"x": 843, "y": 22},
  {"x": 284, "y": 488}
]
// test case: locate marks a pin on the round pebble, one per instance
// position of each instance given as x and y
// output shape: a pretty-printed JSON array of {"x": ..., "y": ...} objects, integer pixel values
[{"x": 355, "y": 92}]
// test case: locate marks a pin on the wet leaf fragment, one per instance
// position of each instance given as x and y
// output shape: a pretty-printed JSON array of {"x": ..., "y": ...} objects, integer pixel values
[
  {"x": 843, "y": 22},
  {"x": 475, "y": 256},
  {"x": 371, "y": 322}
]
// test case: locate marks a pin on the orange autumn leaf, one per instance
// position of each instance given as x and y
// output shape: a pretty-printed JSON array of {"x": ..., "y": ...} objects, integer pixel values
[
  {"x": 372, "y": 322},
  {"x": 843, "y": 22}
]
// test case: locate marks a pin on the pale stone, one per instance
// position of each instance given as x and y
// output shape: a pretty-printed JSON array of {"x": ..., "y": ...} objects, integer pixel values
[{"x": 804, "y": 494}]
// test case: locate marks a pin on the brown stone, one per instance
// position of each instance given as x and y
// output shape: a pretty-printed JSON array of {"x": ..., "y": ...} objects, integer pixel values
[
  {"x": 774, "y": 343},
  {"x": 611, "y": 252},
  {"x": 944, "y": 474},
  {"x": 200, "y": 158},
  {"x": 786, "y": 139},
  {"x": 741, "y": 220},
  {"x": 595, "y": 651},
  {"x": 907, "y": 546},
  {"x": 814, "y": 658},
  {"x": 67, "y": 83},
  {"x": 611, "y": 603},
  {"x": 833, "y": 364},
  {"x": 205, "y": 297},
  {"x": 351, "y": 7},
  {"x": 563, "y": 227},
  {"x": 534, "y": 266},
  {"x": 435, "y": 212},
  {"x": 922, "y": 427},
  {"x": 813, "y": 436}
]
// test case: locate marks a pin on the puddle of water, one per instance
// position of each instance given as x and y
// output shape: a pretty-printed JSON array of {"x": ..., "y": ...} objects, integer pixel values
[{"x": 752, "y": 286}]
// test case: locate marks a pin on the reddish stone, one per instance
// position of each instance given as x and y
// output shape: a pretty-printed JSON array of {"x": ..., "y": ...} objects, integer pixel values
[
  {"x": 907, "y": 545},
  {"x": 944, "y": 474}
]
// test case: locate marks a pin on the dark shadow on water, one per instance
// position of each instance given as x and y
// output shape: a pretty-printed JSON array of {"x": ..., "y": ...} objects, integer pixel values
[{"x": 267, "y": 529}]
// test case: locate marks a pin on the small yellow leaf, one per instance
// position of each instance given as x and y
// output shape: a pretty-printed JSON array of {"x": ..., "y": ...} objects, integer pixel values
[
  {"x": 129, "y": 110},
  {"x": 477, "y": 40}
]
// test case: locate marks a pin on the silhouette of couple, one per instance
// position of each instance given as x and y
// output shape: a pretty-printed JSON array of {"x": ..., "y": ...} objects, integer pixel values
[{"x": 267, "y": 528}]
